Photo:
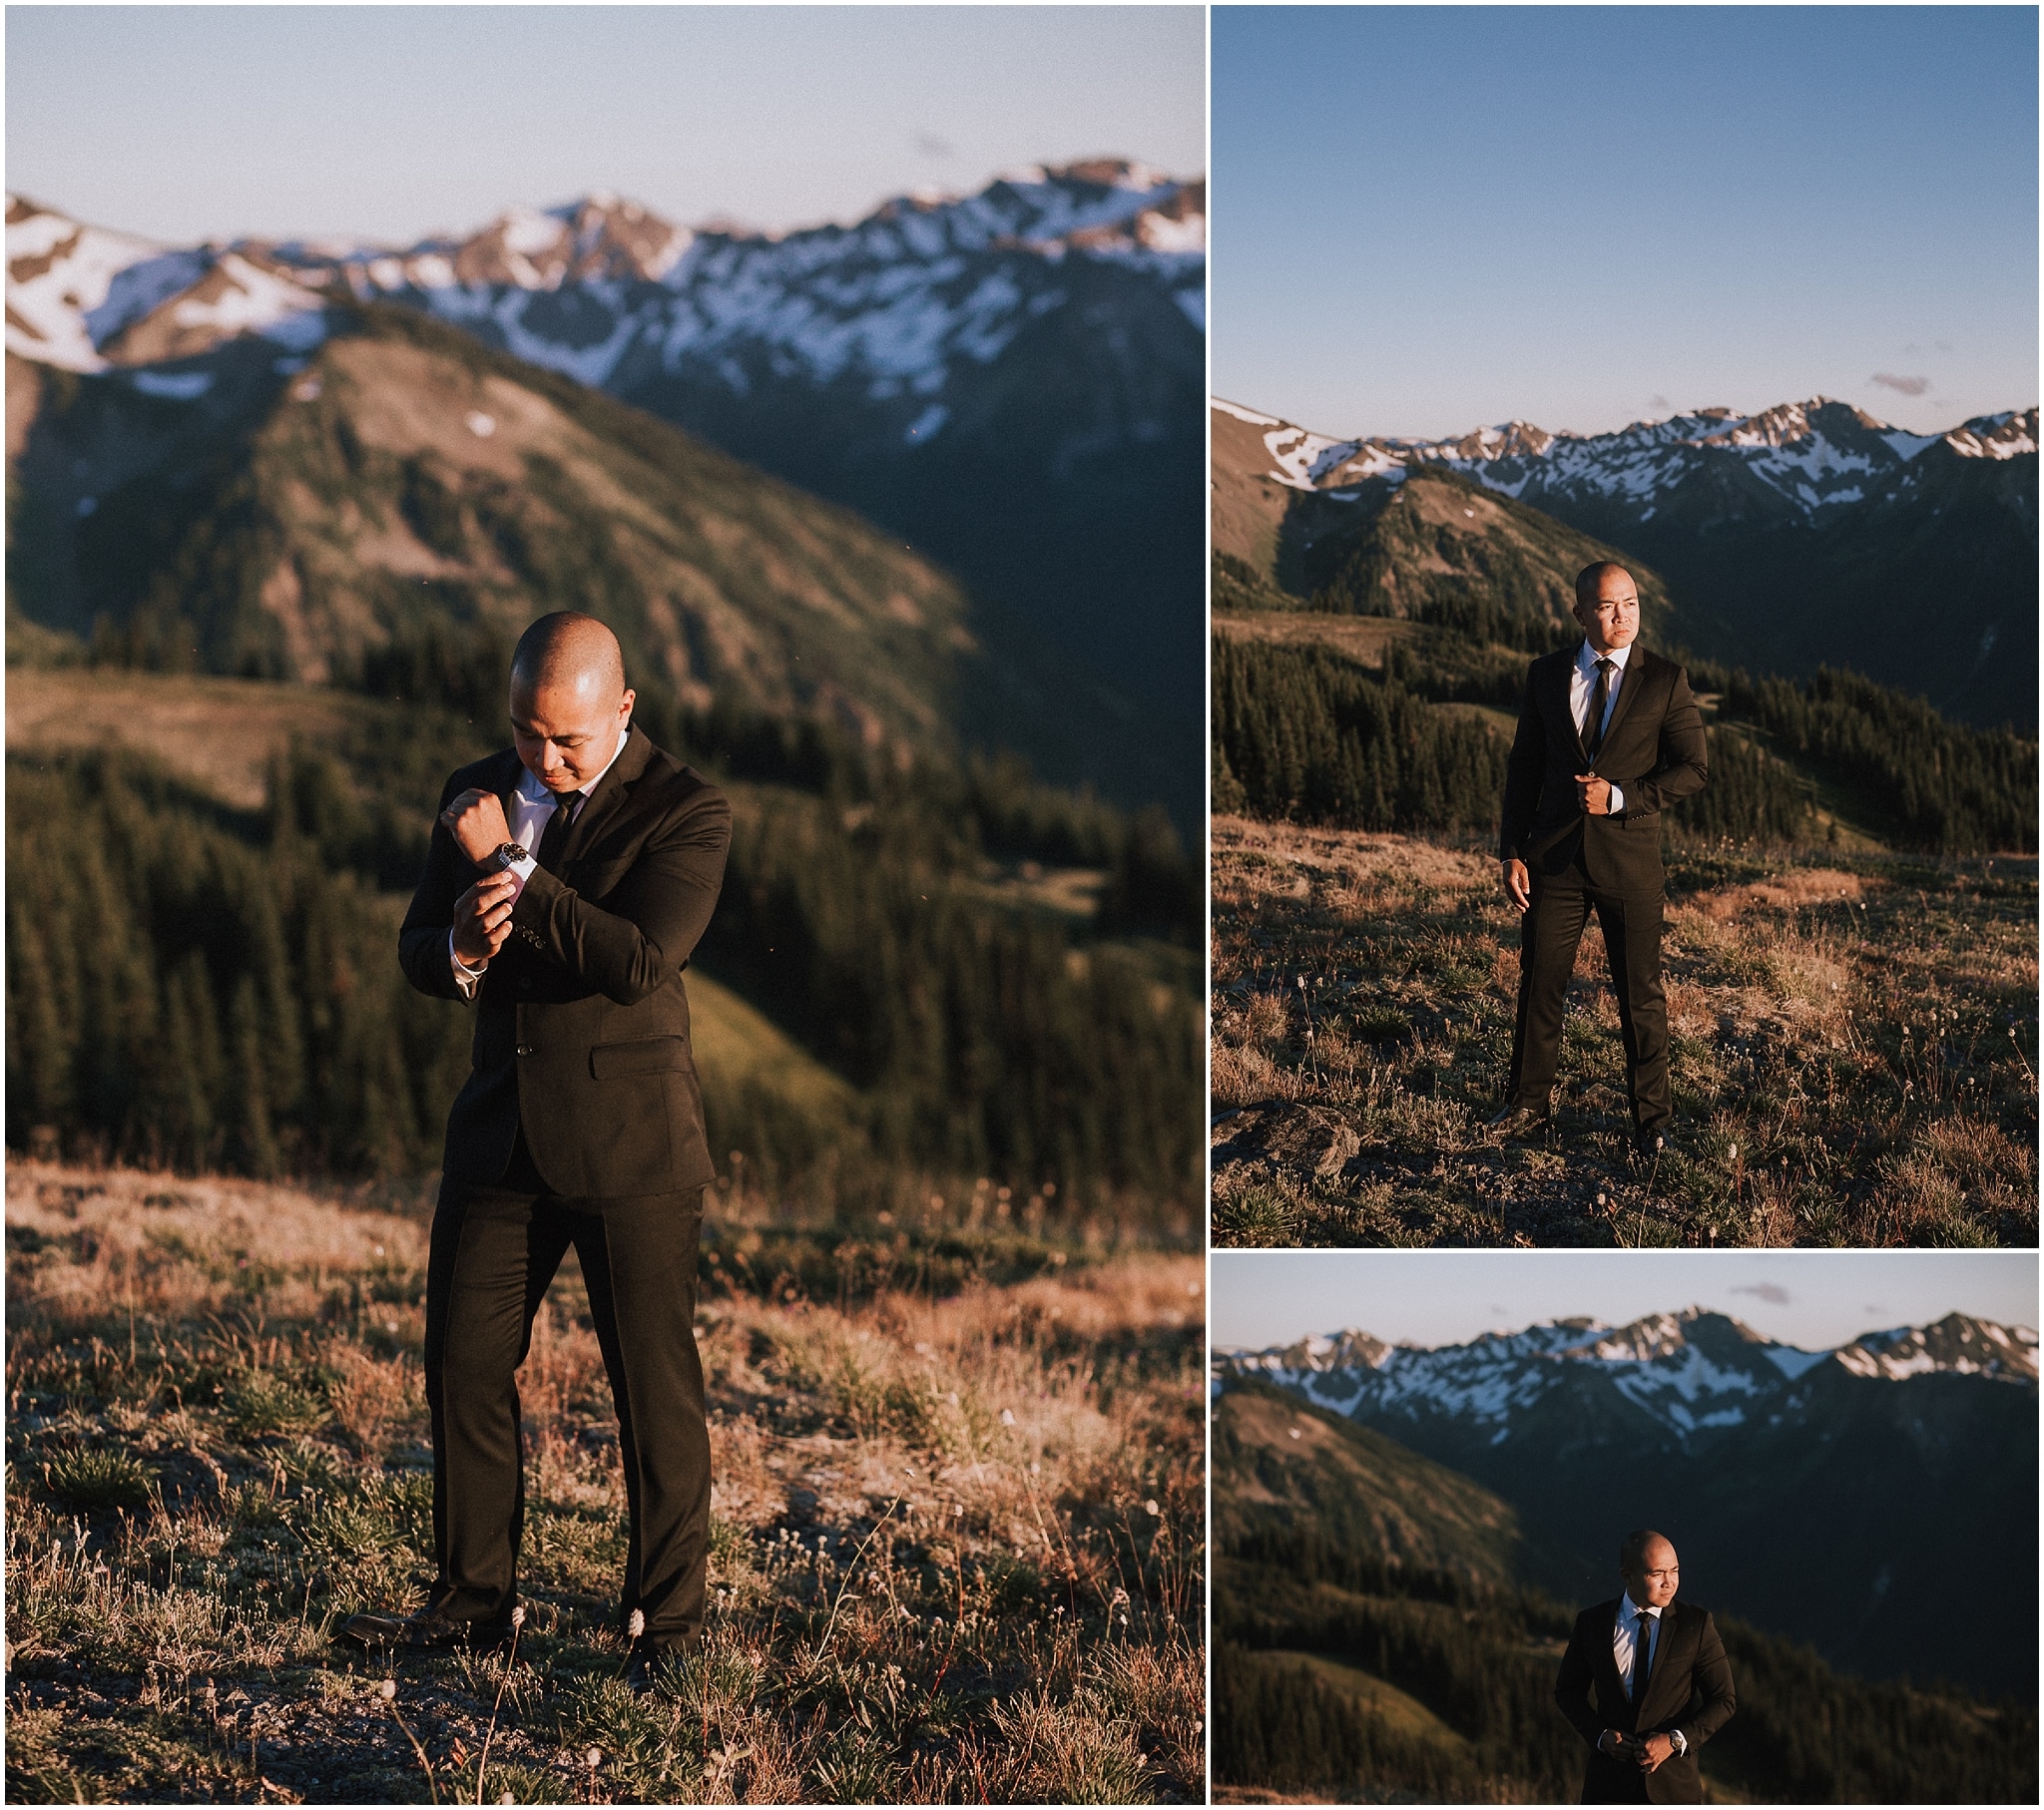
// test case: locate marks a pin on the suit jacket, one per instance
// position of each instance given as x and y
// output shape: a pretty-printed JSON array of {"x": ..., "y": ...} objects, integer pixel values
[
  {"x": 582, "y": 1023},
  {"x": 1690, "y": 1688},
  {"x": 1653, "y": 749}
]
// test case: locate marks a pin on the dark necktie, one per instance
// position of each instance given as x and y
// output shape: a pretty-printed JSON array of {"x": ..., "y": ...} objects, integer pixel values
[
  {"x": 1600, "y": 694},
  {"x": 548, "y": 854},
  {"x": 1643, "y": 1646}
]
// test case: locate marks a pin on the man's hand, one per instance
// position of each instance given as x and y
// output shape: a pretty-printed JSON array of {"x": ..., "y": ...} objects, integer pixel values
[
  {"x": 482, "y": 917},
  {"x": 1653, "y": 1750},
  {"x": 476, "y": 822},
  {"x": 1611, "y": 1744},
  {"x": 1593, "y": 794},
  {"x": 1516, "y": 884}
]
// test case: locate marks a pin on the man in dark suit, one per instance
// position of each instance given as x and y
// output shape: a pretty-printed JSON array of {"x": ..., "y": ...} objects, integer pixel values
[
  {"x": 1646, "y": 1683},
  {"x": 566, "y": 885},
  {"x": 1609, "y": 737}
]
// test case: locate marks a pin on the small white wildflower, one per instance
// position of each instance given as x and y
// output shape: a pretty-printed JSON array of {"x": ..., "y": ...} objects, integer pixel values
[
  {"x": 1008, "y": 1417},
  {"x": 1035, "y": 1469},
  {"x": 1731, "y": 1155},
  {"x": 1150, "y": 1505},
  {"x": 634, "y": 1627},
  {"x": 518, "y": 1616},
  {"x": 593, "y": 1758},
  {"x": 387, "y": 1690}
]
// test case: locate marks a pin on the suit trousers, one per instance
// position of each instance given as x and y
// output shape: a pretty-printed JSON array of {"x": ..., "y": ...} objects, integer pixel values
[
  {"x": 1548, "y": 936},
  {"x": 494, "y": 1251}
]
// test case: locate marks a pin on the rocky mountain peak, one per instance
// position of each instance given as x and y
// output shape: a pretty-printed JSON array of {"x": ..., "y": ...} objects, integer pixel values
[{"x": 1958, "y": 1344}]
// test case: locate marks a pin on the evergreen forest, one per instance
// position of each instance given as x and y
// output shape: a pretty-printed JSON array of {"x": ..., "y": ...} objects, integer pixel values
[
  {"x": 193, "y": 985},
  {"x": 1311, "y": 734}
]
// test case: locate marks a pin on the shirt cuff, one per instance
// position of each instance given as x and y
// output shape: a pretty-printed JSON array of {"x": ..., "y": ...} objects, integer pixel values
[
  {"x": 466, "y": 978},
  {"x": 1617, "y": 800}
]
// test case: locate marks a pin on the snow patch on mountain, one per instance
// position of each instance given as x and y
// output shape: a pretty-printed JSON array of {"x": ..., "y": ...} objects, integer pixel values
[{"x": 59, "y": 272}]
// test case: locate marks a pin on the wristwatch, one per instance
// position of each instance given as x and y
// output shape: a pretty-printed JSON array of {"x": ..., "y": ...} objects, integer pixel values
[{"x": 507, "y": 855}]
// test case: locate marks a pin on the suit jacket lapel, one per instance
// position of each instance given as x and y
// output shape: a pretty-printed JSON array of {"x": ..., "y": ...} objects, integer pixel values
[
  {"x": 610, "y": 791},
  {"x": 1667, "y": 1648}
]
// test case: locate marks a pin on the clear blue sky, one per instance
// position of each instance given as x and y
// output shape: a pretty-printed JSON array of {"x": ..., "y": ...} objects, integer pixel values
[
  {"x": 1426, "y": 220},
  {"x": 1814, "y": 1299},
  {"x": 181, "y": 123}
]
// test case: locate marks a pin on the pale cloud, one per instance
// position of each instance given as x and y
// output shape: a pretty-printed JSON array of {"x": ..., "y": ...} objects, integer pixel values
[
  {"x": 1903, "y": 386},
  {"x": 1765, "y": 1291}
]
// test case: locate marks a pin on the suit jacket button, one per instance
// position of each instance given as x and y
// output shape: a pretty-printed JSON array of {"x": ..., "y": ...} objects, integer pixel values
[{"x": 524, "y": 1049}]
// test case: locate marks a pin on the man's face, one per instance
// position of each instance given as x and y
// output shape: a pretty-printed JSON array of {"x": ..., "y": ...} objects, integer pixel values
[
  {"x": 1651, "y": 1580},
  {"x": 565, "y": 734},
  {"x": 1612, "y": 619}
]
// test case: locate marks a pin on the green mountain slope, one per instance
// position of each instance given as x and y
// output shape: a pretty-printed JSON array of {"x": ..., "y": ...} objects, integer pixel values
[
  {"x": 388, "y": 517},
  {"x": 1285, "y": 1470},
  {"x": 406, "y": 489}
]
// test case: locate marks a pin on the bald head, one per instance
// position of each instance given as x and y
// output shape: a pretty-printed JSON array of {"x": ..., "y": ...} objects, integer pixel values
[
  {"x": 1588, "y": 581},
  {"x": 1651, "y": 1572},
  {"x": 569, "y": 652},
  {"x": 1607, "y": 606},
  {"x": 569, "y": 705}
]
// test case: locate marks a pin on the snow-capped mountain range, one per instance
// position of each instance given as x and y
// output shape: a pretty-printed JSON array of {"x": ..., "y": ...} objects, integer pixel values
[
  {"x": 1797, "y": 460},
  {"x": 605, "y": 291},
  {"x": 1687, "y": 1372},
  {"x": 1009, "y": 382}
]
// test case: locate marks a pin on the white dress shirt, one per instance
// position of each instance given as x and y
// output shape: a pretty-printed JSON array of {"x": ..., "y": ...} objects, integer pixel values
[
  {"x": 1582, "y": 682},
  {"x": 532, "y": 807},
  {"x": 1624, "y": 1632}
]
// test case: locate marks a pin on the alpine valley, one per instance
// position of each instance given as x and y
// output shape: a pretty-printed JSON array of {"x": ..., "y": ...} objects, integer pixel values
[
  {"x": 1808, "y": 535},
  {"x": 1878, "y": 1501},
  {"x": 1006, "y": 381}
]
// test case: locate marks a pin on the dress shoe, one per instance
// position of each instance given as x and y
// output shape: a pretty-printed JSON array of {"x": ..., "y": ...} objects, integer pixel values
[
  {"x": 426, "y": 1630},
  {"x": 1519, "y": 1121}
]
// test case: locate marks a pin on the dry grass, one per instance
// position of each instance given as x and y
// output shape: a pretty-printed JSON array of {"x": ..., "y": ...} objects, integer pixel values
[
  {"x": 1851, "y": 1051},
  {"x": 956, "y": 1529}
]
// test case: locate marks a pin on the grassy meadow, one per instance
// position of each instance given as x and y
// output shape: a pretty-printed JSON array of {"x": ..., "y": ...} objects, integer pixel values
[
  {"x": 1854, "y": 1041},
  {"x": 956, "y": 1529}
]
